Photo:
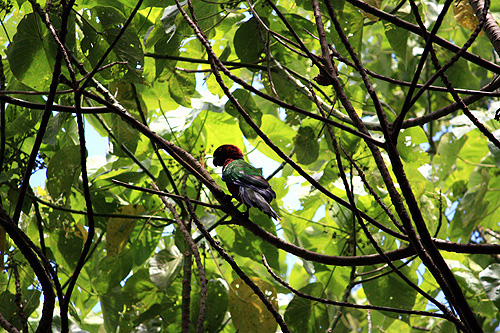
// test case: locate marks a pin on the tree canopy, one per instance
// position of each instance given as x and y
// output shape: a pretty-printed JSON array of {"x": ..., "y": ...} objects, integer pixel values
[{"x": 376, "y": 123}]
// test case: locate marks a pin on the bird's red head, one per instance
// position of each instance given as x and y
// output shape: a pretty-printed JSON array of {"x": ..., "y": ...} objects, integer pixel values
[{"x": 226, "y": 153}]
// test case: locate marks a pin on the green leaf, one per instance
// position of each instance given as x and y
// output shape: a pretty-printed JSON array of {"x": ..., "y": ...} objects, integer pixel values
[
  {"x": 25, "y": 120},
  {"x": 32, "y": 52},
  {"x": 248, "y": 104},
  {"x": 391, "y": 291},
  {"x": 398, "y": 38},
  {"x": 304, "y": 315},
  {"x": 181, "y": 86},
  {"x": 447, "y": 152},
  {"x": 30, "y": 300},
  {"x": 70, "y": 244},
  {"x": 288, "y": 93},
  {"x": 108, "y": 22},
  {"x": 124, "y": 134},
  {"x": 246, "y": 101},
  {"x": 248, "y": 313},
  {"x": 494, "y": 150},
  {"x": 490, "y": 280},
  {"x": 444, "y": 326},
  {"x": 111, "y": 271},
  {"x": 164, "y": 267},
  {"x": 119, "y": 229},
  {"x": 112, "y": 306},
  {"x": 248, "y": 43},
  {"x": 244, "y": 243},
  {"x": 53, "y": 128},
  {"x": 408, "y": 143},
  {"x": 278, "y": 132},
  {"x": 140, "y": 289},
  {"x": 167, "y": 24},
  {"x": 472, "y": 208},
  {"x": 207, "y": 15},
  {"x": 351, "y": 21},
  {"x": 216, "y": 306},
  {"x": 306, "y": 145},
  {"x": 63, "y": 170},
  {"x": 145, "y": 241}
]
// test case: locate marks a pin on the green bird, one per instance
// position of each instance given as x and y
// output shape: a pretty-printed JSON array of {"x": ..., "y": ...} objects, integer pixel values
[{"x": 244, "y": 181}]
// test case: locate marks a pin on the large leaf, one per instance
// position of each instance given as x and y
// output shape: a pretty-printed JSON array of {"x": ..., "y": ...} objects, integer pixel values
[
  {"x": 62, "y": 171},
  {"x": 391, "y": 291},
  {"x": 125, "y": 135},
  {"x": 351, "y": 21},
  {"x": 248, "y": 104},
  {"x": 30, "y": 300},
  {"x": 108, "y": 22},
  {"x": 181, "y": 86},
  {"x": 304, "y": 315},
  {"x": 306, "y": 145},
  {"x": 111, "y": 272},
  {"x": 248, "y": 42},
  {"x": 248, "y": 312},
  {"x": 398, "y": 38},
  {"x": 32, "y": 52},
  {"x": 119, "y": 229},
  {"x": 490, "y": 280},
  {"x": 216, "y": 306},
  {"x": 112, "y": 306},
  {"x": 472, "y": 208},
  {"x": 165, "y": 266},
  {"x": 25, "y": 121},
  {"x": 279, "y": 133},
  {"x": 140, "y": 289},
  {"x": 244, "y": 243}
]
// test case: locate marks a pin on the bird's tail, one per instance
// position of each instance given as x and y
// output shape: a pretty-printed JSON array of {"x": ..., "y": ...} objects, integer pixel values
[{"x": 253, "y": 198}]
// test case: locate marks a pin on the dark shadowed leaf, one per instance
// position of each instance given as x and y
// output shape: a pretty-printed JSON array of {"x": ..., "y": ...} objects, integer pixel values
[
  {"x": 304, "y": 315},
  {"x": 63, "y": 170},
  {"x": 248, "y": 42},
  {"x": 306, "y": 145}
]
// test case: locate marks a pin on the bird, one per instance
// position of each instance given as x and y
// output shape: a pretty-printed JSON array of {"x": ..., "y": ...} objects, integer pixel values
[{"x": 244, "y": 181}]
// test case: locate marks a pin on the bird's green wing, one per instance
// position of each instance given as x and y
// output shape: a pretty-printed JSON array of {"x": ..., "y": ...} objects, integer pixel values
[{"x": 241, "y": 172}]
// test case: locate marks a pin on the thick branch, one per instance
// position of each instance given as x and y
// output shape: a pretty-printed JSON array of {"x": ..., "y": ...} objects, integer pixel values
[{"x": 490, "y": 28}]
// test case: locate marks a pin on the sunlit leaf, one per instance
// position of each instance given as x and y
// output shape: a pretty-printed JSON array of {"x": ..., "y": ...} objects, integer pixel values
[
  {"x": 464, "y": 14},
  {"x": 248, "y": 312},
  {"x": 165, "y": 266},
  {"x": 373, "y": 3},
  {"x": 119, "y": 229},
  {"x": 490, "y": 280},
  {"x": 32, "y": 52}
]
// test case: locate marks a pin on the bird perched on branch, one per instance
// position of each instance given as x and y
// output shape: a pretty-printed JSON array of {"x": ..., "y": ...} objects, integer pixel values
[{"x": 244, "y": 181}]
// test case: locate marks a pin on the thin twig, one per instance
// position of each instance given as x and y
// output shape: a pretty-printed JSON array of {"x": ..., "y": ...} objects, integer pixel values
[
  {"x": 346, "y": 304},
  {"x": 163, "y": 193},
  {"x": 111, "y": 46},
  {"x": 64, "y": 304},
  {"x": 194, "y": 251},
  {"x": 235, "y": 266}
]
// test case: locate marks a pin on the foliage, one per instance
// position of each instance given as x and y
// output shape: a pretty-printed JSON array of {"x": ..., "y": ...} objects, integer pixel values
[{"x": 376, "y": 122}]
